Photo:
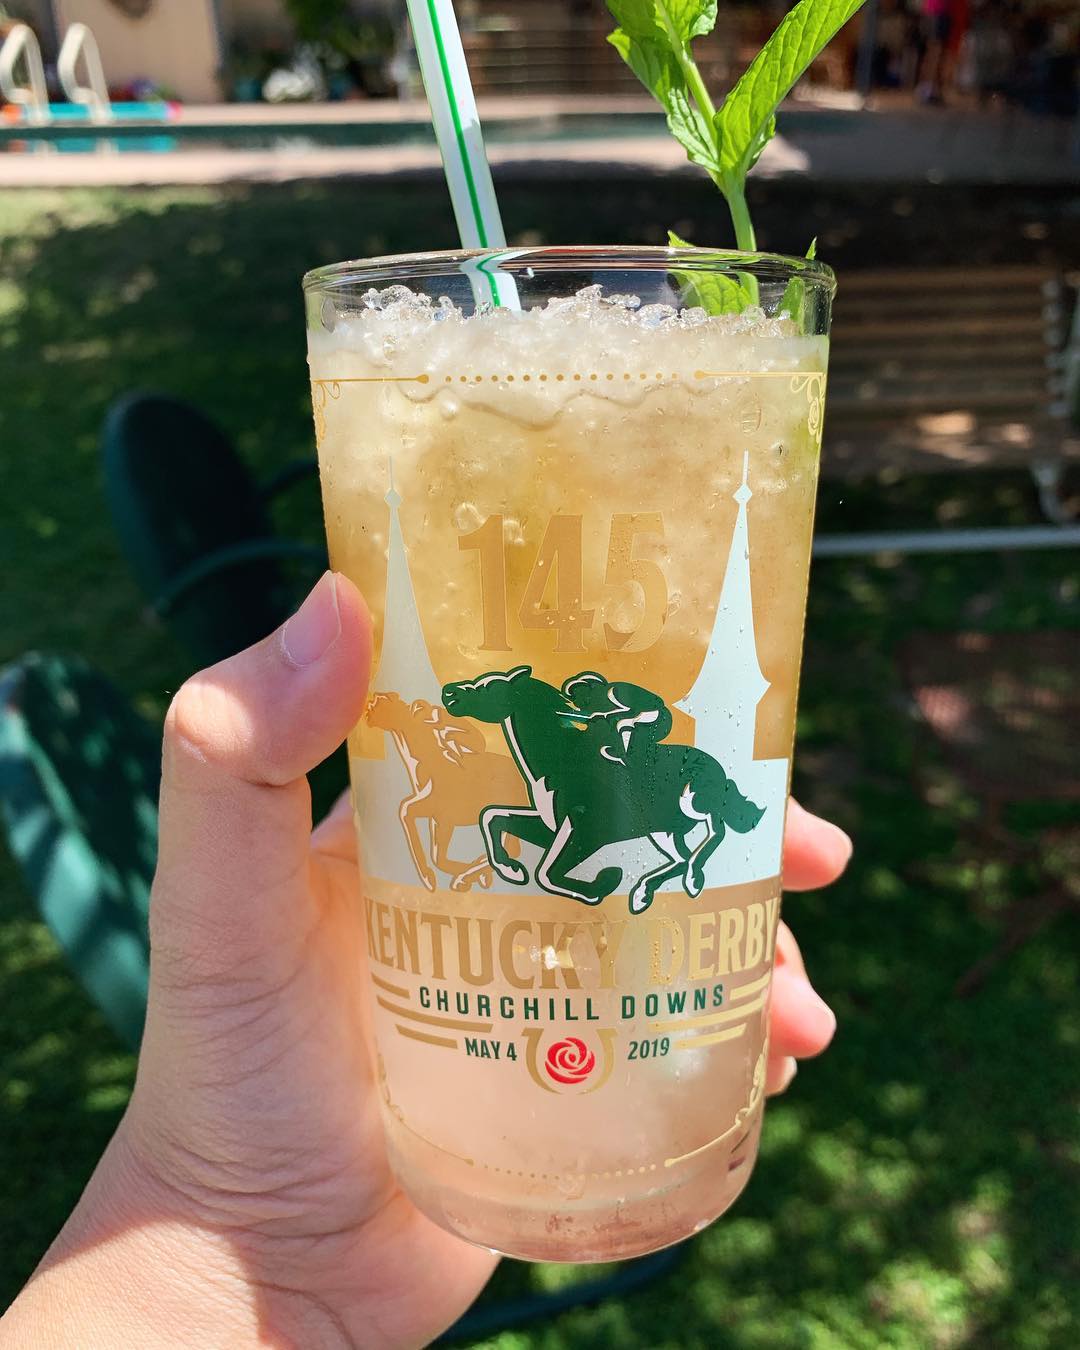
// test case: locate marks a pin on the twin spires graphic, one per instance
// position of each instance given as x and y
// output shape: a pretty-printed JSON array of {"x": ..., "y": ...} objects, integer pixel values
[
  {"x": 723, "y": 702},
  {"x": 404, "y": 663},
  {"x": 730, "y": 684}
]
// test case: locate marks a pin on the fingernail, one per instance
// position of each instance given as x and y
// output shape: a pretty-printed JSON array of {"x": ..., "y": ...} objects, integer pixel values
[
  {"x": 807, "y": 1007},
  {"x": 841, "y": 839},
  {"x": 315, "y": 626},
  {"x": 844, "y": 840},
  {"x": 790, "y": 1069}
]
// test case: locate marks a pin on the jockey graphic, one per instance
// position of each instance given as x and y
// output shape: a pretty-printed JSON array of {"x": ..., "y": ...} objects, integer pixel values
[
  {"x": 599, "y": 771},
  {"x": 623, "y": 722}
]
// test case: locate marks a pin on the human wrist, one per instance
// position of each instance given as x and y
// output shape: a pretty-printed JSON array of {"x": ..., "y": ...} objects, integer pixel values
[{"x": 135, "y": 1266}]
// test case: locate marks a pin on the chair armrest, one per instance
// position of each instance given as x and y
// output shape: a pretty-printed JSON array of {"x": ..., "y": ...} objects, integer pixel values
[
  {"x": 292, "y": 473},
  {"x": 1071, "y": 363},
  {"x": 234, "y": 555}
]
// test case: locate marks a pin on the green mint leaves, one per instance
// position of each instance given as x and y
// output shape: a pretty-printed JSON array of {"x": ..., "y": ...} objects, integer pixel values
[
  {"x": 716, "y": 292},
  {"x": 659, "y": 71},
  {"x": 747, "y": 119},
  {"x": 660, "y": 20},
  {"x": 793, "y": 300},
  {"x": 654, "y": 38}
]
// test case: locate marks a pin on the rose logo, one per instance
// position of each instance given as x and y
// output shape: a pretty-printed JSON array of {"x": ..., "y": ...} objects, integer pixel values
[{"x": 570, "y": 1061}]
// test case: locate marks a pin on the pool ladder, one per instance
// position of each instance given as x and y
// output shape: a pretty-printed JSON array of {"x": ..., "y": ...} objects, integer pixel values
[{"x": 33, "y": 95}]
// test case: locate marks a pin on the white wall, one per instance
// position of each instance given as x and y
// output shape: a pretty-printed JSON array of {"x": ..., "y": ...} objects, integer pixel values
[{"x": 174, "y": 44}]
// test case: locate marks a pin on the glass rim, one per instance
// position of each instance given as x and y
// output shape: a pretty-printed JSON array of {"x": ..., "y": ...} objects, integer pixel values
[{"x": 768, "y": 267}]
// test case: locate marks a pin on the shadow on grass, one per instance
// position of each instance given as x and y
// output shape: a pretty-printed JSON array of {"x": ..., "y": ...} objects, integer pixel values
[
  {"x": 918, "y": 1185},
  {"x": 196, "y": 292}
]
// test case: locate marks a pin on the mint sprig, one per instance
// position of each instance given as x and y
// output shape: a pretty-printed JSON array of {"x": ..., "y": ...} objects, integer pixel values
[
  {"x": 794, "y": 297},
  {"x": 715, "y": 292},
  {"x": 654, "y": 38}
]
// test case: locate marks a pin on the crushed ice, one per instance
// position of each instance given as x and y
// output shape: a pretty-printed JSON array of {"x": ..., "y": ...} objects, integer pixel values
[
  {"x": 398, "y": 307},
  {"x": 530, "y": 364}
]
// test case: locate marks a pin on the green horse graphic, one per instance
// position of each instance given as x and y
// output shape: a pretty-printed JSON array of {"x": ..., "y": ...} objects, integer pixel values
[{"x": 598, "y": 773}]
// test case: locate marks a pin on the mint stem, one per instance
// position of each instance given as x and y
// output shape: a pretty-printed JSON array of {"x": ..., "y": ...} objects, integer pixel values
[
  {"x": 744, "y": 231},
  {"x": 733, "y": 195},
  {"x": 740, "y": 216}
]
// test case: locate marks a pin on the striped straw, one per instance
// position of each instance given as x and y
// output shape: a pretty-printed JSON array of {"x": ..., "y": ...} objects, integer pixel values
[{"x": 461, "y": 143}]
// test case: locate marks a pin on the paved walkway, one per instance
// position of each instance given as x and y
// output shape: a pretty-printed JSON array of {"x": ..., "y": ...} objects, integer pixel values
[{"x": 831, "y": 142}]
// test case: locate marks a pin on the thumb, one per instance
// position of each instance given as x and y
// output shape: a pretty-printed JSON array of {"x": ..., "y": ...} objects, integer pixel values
[{"x": 230, "y": 893}]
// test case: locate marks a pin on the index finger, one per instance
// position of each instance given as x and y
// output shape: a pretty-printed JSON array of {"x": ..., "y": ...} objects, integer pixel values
[{"x": 815, "y": 851}]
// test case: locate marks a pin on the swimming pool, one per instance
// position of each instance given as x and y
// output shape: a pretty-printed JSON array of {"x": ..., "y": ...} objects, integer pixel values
[{"x": 295, "y": 135}]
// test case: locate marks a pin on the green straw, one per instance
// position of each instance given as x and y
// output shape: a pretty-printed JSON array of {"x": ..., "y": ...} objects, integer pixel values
[{"x": 461, "y": 143}]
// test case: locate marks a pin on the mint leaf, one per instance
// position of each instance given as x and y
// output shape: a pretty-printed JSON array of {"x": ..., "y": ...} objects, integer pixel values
[
  {"x": 746, "y": 121},
  {"x": 690, "y": 18},
  {"x": 658, "y": 70},
  {"x": 660, "y": 19},
  {"x": 761, "y": 140},
  {"x": 794, "y": 297},
  {"x": 715, "y": 292},
  {"x": 691, "y": 130},
  {"x": 654, "y": 38},
  {"x": 638, "y": 18}
]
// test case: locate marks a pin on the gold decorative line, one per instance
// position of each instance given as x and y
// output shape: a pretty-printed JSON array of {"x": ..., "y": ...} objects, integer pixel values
[
  {"x": 390, "y": 988},
  {"x": 395, "y": 989},
  {"x": 684, "y": 1157},
  {"x": 446, "y": 1041},
  {"x": 533, "y": 1037},
  {"x": 720, "y": 1138},
  {"x": 372, "y": 379},
  {"x": 399, "y": 1116},
  {"x": 728, "y": 1034},
  {"x": 592, "y": 377},
  {"x": 321, "y": 392},
  {"x": 710, "y": 1019},
  {"x": 758, "y": 375},
  {"x": 458, "y": 1157},
  {"x": 433, "y": 1021},
  {"x": 607, "y": 1042},
  {"x": 757, "y": 1091},
  {"x": 812, "y": 383},
  {"x": 745, "y": 990},
  {"x": 616, "y": 1172}
]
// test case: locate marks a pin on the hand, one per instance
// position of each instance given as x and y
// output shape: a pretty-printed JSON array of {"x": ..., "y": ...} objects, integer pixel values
[
  {"x": 246, "y": 1197},
  {"x": 800, "y": 1023}
]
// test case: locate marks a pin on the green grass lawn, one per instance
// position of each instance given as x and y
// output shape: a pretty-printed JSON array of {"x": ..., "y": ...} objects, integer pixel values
[{"x": 918, "y": 1186}]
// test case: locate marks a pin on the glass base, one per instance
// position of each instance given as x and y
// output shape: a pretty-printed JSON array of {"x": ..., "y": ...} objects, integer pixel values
[{"x": 615, "y": 1227}]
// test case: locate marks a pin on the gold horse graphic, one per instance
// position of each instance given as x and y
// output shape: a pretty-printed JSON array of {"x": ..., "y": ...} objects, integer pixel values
[{"x": 453, "y": 778}]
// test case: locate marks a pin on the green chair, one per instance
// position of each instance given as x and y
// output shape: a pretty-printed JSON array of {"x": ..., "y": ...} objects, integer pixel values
[
  {"x": 195, "y": 528},
  {"x": 79, "y": 774},
  {"x": 196, "y": 531}
]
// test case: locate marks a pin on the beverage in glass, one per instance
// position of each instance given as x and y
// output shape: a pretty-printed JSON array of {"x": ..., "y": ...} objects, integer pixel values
[{"x": 582, "y": 519}]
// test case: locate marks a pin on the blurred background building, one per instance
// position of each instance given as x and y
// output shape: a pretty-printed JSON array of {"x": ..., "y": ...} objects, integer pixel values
[{"x": 1021, "y": 51}]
